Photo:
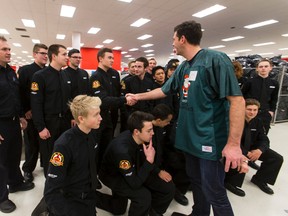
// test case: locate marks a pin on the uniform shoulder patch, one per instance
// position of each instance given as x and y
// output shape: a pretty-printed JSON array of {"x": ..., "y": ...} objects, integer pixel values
[
  {"x": 96, "y": 84},
  {"x": 57, "y": 159},
  {"x": 124, "y": 164},
  {"x": 123, "y": 85},
  {"x": 34, "y": 86}
]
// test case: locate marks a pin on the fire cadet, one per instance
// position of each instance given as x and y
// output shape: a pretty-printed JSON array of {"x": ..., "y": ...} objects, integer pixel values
[
  {"x": 128, "y": 168},
  {"x": 76, "y": 82},
  {"x": 70, "y": 188},
  {"x": 10, "y": 132},
  {"x": 31, "y": 137},
  {"x": 47, "y": 101}
]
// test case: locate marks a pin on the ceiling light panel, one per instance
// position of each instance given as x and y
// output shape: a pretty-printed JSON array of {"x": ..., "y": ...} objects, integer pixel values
[
  {"x": 209, "y": 11},
  {"x": 28, "y": 23},
  {"x": 283, "y": 48},
  {"x": 147, "y": 45},
  {"x": 140, "y": 22},
  {"x": 285, "y": 35},
  {"x": 60, "y": 36},
  {"x": 67, "y": 11},
  {"x": 260, "y": 24},
  {"x": 35, "y": 41},
  {"x": 127, "y": 1},
  {"x": 17, "y": 44},
  {"x": 144, "y": 37},
  {"x": 244, "y": 50},
  {"x": 148, "y": 51},
  {"x": 99, "y": 46},
  {"x": 124, "y": 52},
  {"x": 107, "y": 41},
  {"x": 151, "y": 54},
  {"x": 216, "y": 47},
  {"x": 232, "y": 38},
  {"x": 93, "y": 30},
  {"x": 133, "y": 49},
  {"x": 264, "y": 44},
  {"x": 117, "y": 48},
  {"x": 3, "y": 31}
]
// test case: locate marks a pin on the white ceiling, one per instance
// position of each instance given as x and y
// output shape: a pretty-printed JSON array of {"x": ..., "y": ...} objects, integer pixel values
[{"x": 114, "y": 19}]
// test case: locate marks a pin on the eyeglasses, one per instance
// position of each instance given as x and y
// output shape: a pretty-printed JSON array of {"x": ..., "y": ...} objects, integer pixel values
[
  {"x": 42, "y": 53},
  {"x": 76, "y": 57}
]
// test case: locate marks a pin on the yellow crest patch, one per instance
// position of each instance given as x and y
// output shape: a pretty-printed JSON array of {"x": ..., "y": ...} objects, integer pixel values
[
  {"x": 57, "y": 159},
  {"x": 96, "y": 84},
  {"x": 123, "y": 85},
  {"x": 124, "y": 164},
  {"x": 34, "y": 86}
]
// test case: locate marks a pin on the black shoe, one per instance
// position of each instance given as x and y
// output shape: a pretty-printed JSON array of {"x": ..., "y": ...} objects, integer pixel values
[
  {"x": 28, "y": 176},
  {"x": 7, "y": 206},
  {"x": 24, "y": 186},
  {"x": 152, "y": 212},
  {"x": 41, "y": 209},
  {"x": 181, "y": 198},
  {"x": 263, "y": 186},
  {"x": 234, "y": 189},
  {"x": 253, "y": 165},
  {"x": 178, "y": 214}
]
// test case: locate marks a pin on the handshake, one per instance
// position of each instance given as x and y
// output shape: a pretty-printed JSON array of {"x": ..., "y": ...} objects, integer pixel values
[{"x": 131, "y": 99}]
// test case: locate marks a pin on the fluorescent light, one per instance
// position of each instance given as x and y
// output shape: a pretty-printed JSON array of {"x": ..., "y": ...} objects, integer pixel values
[
  {"x": 144, "y": 37},
  {"x": 151, "y": 54},
  {"x": 81, "y": 44},
  {"x": 29, "y": 56},
  {"x": 99, "y": 46},
  {"x": 127, "y": 1},
  {"x": 25, "y": 52},
  {"x": 216, "y": 47},
  {"x": 117, "y": 48},
  {"x": 133, "y": 49},
  {"x": 93, "y": 30},
  {"x": 256, "y": 25},
  {"x": 148, "y": 51},
  {"x": 131, "y": 58},
  {"x": 35, "y": 41},
  {"x": 60, "y": 36},
  {"x": 127, "y": 56},
  {"x": 147, "y": 45},
  {"x": 3, "y": 31},
  {"x": 283, "y": 48},
  {"x": 209, "y": 11},
  {"x": 19, "y": 57},
  {"x": 140, "y": 22},
  {"x": 232, "y": 38},
  {"x": 285, "y": 35},
  {"x": 107, "y": 41},
  {"x": 264, "y": 44},
  {"x": 244, "y": 50},
  {"x": 13, "y": 53},
  {"x": 67, "y": 11},
  {"x": 28, "y": 23},
  {"x": 124, "y": 52},
  {"x": 17, "y": 44}
]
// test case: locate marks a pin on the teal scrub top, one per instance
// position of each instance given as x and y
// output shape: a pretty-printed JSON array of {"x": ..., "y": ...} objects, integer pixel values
[{"x": 203, "y": 83}]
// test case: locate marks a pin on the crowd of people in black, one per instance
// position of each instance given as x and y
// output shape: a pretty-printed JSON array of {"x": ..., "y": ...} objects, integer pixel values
[{"x": 72, "y": 119}]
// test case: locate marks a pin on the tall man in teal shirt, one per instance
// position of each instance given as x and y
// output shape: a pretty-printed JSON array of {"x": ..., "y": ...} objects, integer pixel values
[{"x": 211, "y": 118}]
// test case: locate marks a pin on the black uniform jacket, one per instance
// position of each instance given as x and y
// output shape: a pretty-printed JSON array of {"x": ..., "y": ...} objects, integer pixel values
[
  {"x": 123, "y": 161},
  {"x": 253, "y": 87},
  {"x": 10, "y": 105},
  {"x": 254, "y": 137},
  {"x": 25, "y": 76},
  {"x": 50, "y": 95},
  {"x": 135, "y": 85},
  {"x": 69, "y": 170}
]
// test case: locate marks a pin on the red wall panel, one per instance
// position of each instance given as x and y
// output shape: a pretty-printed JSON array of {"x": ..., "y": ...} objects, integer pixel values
[{"x": 89, "y": 59}]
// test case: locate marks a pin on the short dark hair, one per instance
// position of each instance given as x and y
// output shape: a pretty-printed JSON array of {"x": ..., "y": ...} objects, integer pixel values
[
  {"x": 136, "y": 120},
  {"x": 264, "y": 60},
  {"x": 38, "y": 46},
  {"x": 144, "y": 60},
  {"x": 251, "y": 101},
  {"x": 191, "y": 30},
  {"x": 54, "y": 49},
  {"x": 161, "y": 111},
  {"x": 101, "y": 52},
  {"x": 157, "y": 68},
  {"x": 72, "y": 51}
]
